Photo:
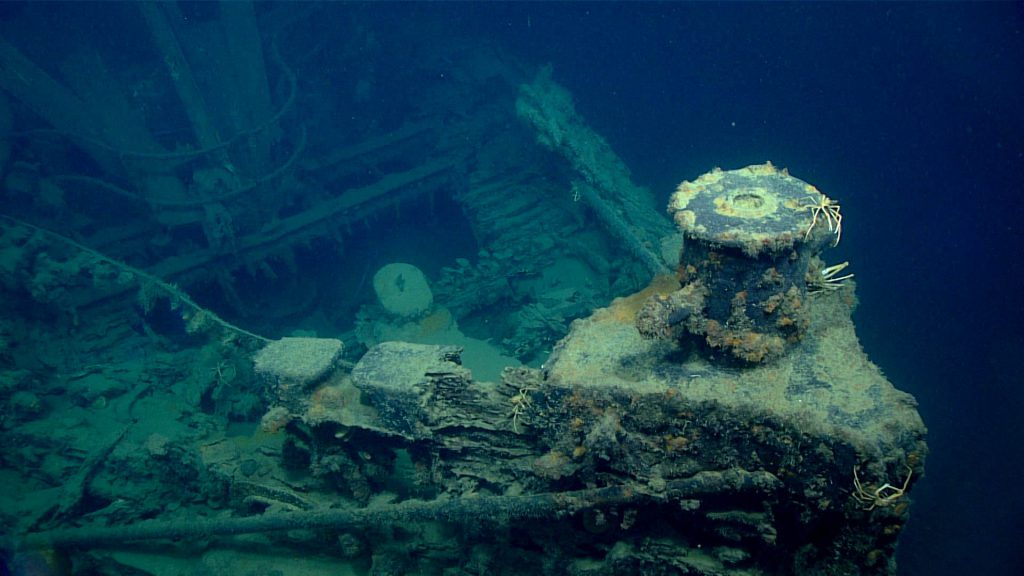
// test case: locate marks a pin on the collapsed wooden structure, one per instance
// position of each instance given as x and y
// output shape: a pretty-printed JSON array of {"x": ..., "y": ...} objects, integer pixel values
[{"x": 618, "y": 455}]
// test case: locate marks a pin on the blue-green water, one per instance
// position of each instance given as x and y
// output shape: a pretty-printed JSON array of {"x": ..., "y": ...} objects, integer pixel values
[{"x": 908, "y": 114}]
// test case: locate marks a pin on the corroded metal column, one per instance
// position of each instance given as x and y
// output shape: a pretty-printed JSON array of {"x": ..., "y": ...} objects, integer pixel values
[{"x": 750, "y": 237}]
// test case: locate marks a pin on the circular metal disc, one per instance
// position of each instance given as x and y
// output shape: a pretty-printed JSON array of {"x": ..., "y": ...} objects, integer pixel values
[{"x": 758, "y": 208}]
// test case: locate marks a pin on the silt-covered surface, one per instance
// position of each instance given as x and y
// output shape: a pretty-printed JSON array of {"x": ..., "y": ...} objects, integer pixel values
[
  {"x": 757, "y": 209},
  {"x": 826, "y": 386}
]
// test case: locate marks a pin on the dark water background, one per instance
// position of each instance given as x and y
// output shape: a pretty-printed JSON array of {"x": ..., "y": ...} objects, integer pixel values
[
  {"x": 911, "y": 116},
  {"x": 908, "y": 114}
]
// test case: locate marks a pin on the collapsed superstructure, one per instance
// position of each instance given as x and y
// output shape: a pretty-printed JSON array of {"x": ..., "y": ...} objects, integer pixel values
[
  {"x": 721, "y": 420},
  {"x": 623, "y": 454}
]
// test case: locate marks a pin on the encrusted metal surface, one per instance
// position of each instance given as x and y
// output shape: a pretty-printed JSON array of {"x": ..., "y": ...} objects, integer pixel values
[{"x": 754, "y": 208}]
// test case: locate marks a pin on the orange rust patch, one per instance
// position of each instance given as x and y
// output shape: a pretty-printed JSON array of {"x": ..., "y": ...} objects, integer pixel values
[{"x": 623, "y": 310}]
